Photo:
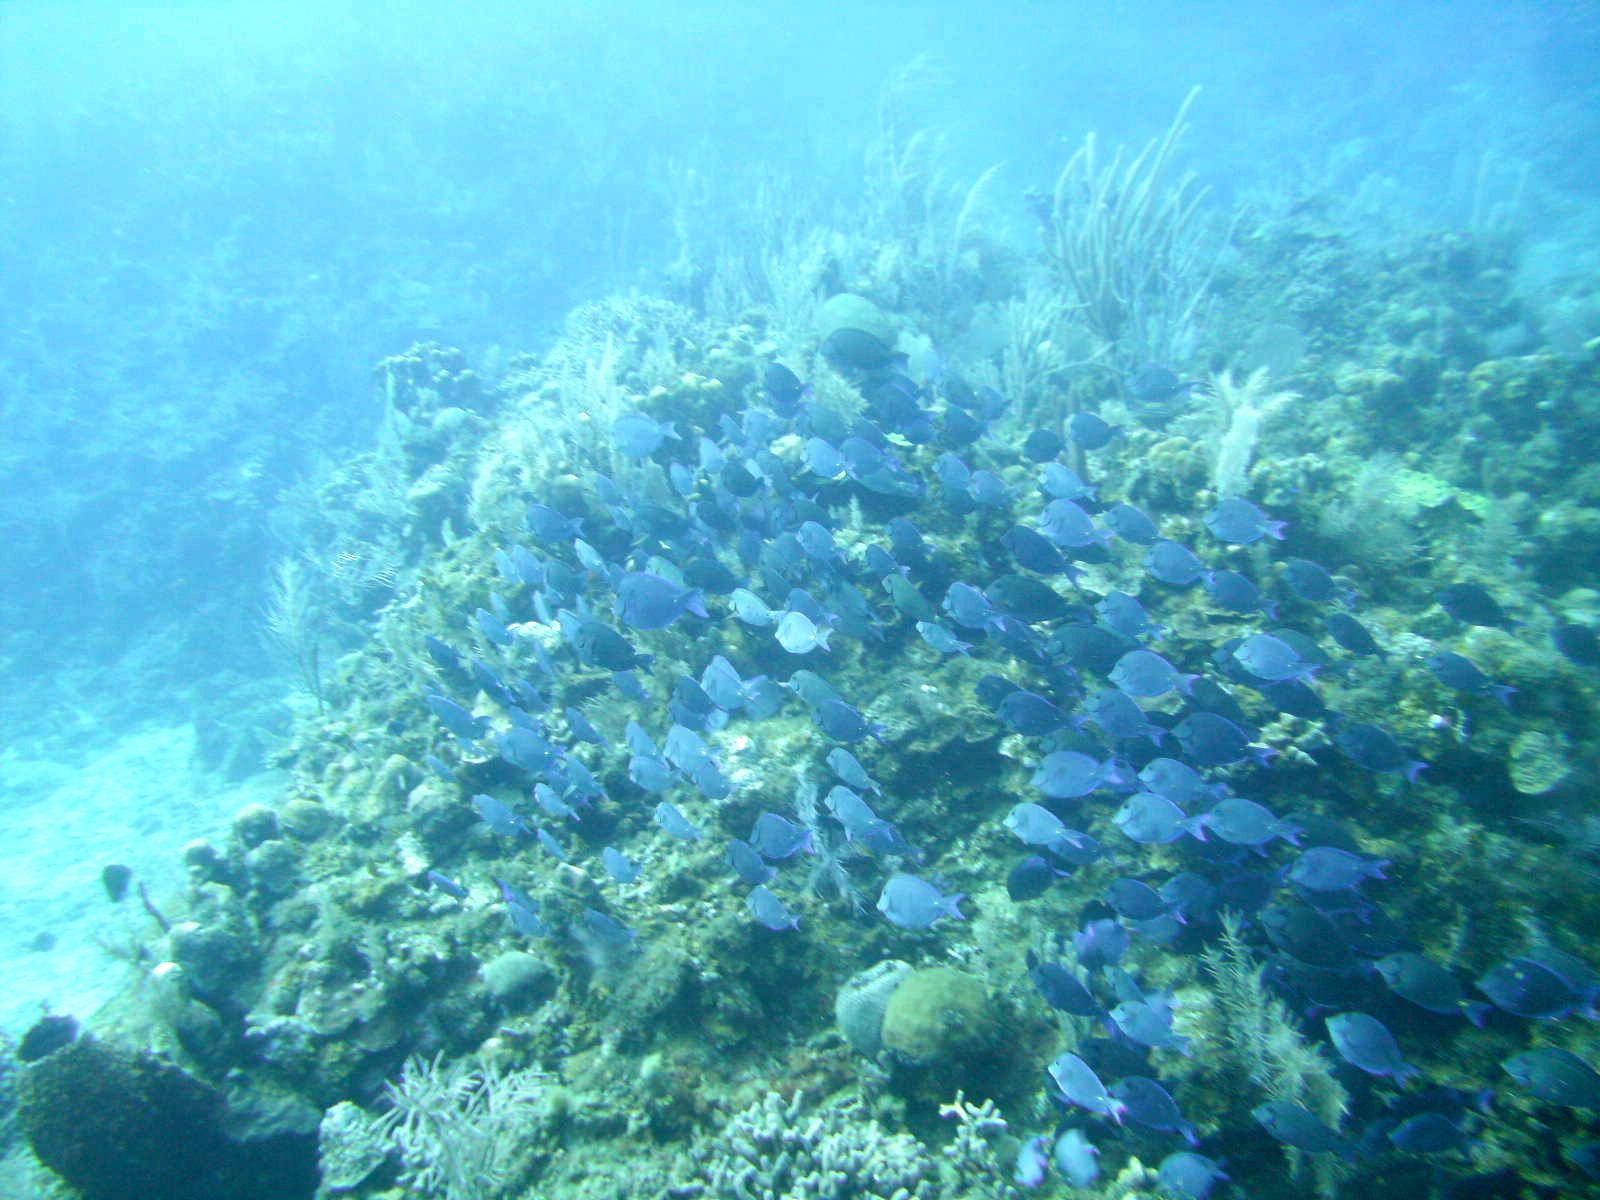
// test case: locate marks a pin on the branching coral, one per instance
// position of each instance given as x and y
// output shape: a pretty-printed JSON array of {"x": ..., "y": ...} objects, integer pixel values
[{"x": 774, "y": 1151}]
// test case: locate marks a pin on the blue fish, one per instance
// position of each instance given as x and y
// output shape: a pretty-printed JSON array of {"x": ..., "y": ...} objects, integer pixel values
[
  {"x": 747, "y": 862},
  {"x": 1460, "y": 673},
  {"x": 522, "y": 747},
  {"x": 1061, "y": 989},
  {"x": 1034, "y": 551},
  {"x": 649, "y": 601},
  {"x": 1173, "y": 563},
  {"x": 1296, "y": 1126},
  {"x": 903, "y": 594},
  {"x": 968, "y": 606},
  {"x": 1031, "y": 878},
  {"x": 1100, "y": 943},
  {"x": 1124, "y": 614},
  {"x": 618, "y": 865},
  {"x": 1149, "y": 1104},
  {"x": 708, "y": 778},
  {"x": 1214, "y": 741},
  {"x": 1364, "y": 1042},
  {"x": 750, "y": 609},
  {"x": 598, "y": 645},
  {"x": 941, "y": 639},
  {"x": 583, "y": 729},
  {"x": 860, "y": 823},
  {"x": 1063, "y": 483},
  {"x": 799, "y": 634},
  {"x": 1555, "y": 1076},
  {"x": 608, "y": 931},
  {"x": 455, "y": 718},
  {"x": 639, "y": 741},
  {"x": 1239, "y": 523},
  {"x": 1068, "y": 774},
  {"x": 1423, "y": 982},
  {"x": 1236, "y": 593},
  {"x": 1033, "y": 1162},
  {"x": 492, "y": 628},
  {"x": 1131, "y": 524},
  {"x": 686, "y": 749},
  {"x": 1030, "y": 714},
  {"x": 913, "y": 903},
  {"x": 1150, "y": 819},
  {"x": 1089, "y": 431},
  {"x": 548, "y": 527},
  {"x": 1241, "y": 822},
  {"x": 1074, "y": 1156},
  {"x": 498, "y": 817},
  {"x": 446, "y": 885},
  {"x": 1036, "y": 825},
  {"x": 1179, "y": 782},
  {"x": 721, "y": 682},
  {"x": 1080, "y": 1086},
  {"x": 1144, "y": 674},
  {"x": 523, "y": 910},
  {"x": 650, "y": 773},
  {"x": 822, "y": 459},
  {"x": 1190, "y": 1176},
  {"x": 552, "y": 847},
  {"x": 1311, "y": 581},
  {"x": 674, "y": 822},
  {"x": 844, "y": 722},
  {"x": 770, "y": 911},
  {"x": 1273, "y": 659},
  {"x": 848, "y": 768},
  {"x": 1430, "y": 1133},
  {"x": 1376, "y": 749},
  {"x": 552, "y": 803},
  {"x": 1352, "y": 635},
  {"x": 1066, "y": 524},
  {"x": 636, "y": 436},
  {"x": 777, "y": 838},
  {"x": 1118, "y": 716},
  {"x": 907, "y": 540},
  {"x": 1330, "y": 869}
]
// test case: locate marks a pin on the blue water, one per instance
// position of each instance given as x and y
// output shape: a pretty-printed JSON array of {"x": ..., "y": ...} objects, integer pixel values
[{"x": 222, "y": 226}]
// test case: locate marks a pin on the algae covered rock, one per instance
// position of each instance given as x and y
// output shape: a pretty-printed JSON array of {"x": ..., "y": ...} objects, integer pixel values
[
  {"x": 519, "y": 980},
  {"x": 939, "y": 1015},
  {"x": 351, "y": 1146},
  {"x": 123, "y": 1126},
  {"x": 944, "y": 1032}
]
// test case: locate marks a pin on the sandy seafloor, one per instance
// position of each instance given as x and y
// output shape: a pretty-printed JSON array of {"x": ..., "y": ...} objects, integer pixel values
[{"x": 136, "y": 800}]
